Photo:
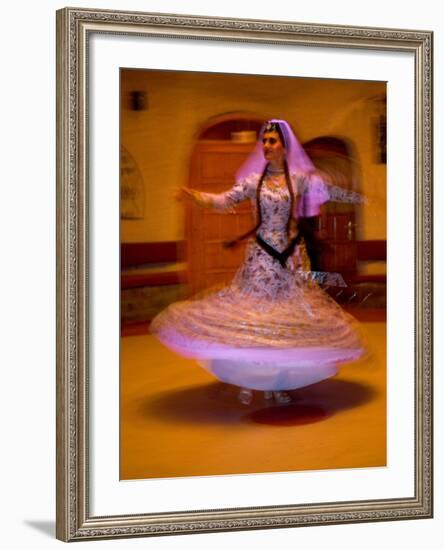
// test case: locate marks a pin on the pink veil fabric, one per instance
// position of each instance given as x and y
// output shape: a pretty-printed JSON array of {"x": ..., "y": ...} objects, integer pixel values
[
  {"x": 315, "y": 187},
  {"x": 315, "y": 192}
]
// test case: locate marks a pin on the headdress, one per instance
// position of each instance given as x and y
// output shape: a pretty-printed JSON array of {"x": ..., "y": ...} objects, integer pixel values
[
  {"x": 271, "y": 126},
  {"x": 297, "y": 159}
]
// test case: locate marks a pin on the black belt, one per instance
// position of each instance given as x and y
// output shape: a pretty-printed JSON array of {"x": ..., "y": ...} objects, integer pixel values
[{"x": 283, "y": 256}]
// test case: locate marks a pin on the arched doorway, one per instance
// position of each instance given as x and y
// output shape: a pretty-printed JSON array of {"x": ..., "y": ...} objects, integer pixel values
[
  {"x": 337, "y": 224},
  {"x": 222, "y": 145}
]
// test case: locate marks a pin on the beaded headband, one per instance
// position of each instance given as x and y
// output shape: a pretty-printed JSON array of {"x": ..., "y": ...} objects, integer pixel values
[{"x": 275, "y": 127}]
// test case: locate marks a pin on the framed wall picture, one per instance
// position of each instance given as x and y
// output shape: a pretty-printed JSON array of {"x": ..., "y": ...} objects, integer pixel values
[{"x": 192, "y": 395}]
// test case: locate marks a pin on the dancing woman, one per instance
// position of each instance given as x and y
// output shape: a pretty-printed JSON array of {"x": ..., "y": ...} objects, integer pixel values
[{"x": 273, "y": 328}]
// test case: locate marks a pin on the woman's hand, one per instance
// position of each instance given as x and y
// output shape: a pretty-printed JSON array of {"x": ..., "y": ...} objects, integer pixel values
[{"x": 185, "y": 193}]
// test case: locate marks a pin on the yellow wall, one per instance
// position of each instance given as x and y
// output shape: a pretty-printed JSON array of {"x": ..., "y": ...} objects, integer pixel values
[{"x": 161, "y": 138}]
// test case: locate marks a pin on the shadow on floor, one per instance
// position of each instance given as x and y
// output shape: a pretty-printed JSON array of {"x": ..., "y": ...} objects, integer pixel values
[{"x": 217, "y": 403}]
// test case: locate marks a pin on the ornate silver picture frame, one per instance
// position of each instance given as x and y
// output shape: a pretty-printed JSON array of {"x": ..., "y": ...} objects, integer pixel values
[{"x": 76, "y": 519}]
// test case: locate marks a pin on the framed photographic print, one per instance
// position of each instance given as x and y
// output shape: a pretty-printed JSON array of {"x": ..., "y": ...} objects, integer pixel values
[{"x": 244, "y": 274}]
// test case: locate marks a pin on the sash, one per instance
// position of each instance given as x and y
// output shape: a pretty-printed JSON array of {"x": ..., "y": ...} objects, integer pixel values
[{"x": 283, "y": 256}]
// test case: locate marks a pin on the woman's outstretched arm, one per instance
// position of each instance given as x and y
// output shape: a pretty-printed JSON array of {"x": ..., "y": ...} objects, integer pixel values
[
  {"x": 227, "y": 200},
  {"x": 316, "y": 189}
]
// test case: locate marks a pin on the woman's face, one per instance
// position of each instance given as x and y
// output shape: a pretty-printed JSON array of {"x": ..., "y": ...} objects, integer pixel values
[{"x": 273, "y": 147}]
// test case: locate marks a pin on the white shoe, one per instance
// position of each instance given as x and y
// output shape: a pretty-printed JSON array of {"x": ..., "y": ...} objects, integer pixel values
[{"x": 245, "y": 396}]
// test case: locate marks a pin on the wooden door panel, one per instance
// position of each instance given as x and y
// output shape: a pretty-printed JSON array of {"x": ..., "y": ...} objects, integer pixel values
[
  {"x": 225, "y": 226},
  {"x": 213, "y": 168},
  {"x": 218, "y": 165},
  {"x": 218, "y": 278},
  {"x": 216, "y": 256},
  {"x": 338, "y": 242},
  {"x": 339, "y": 257},
  {"x": 339, "y": 226}
]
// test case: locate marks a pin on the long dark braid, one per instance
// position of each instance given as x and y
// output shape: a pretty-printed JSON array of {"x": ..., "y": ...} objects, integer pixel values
[
  {"x": 270, "y": 127},
  {"x": 292, "y": 199},
  {"x": 236, "y": 241}
]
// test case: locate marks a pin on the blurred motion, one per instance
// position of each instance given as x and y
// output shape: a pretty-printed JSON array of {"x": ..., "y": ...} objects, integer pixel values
[
  {"x": 344, "y": 256},
  {"x": 269, "y": 328},
  {"x": 195, "y": 131}
]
